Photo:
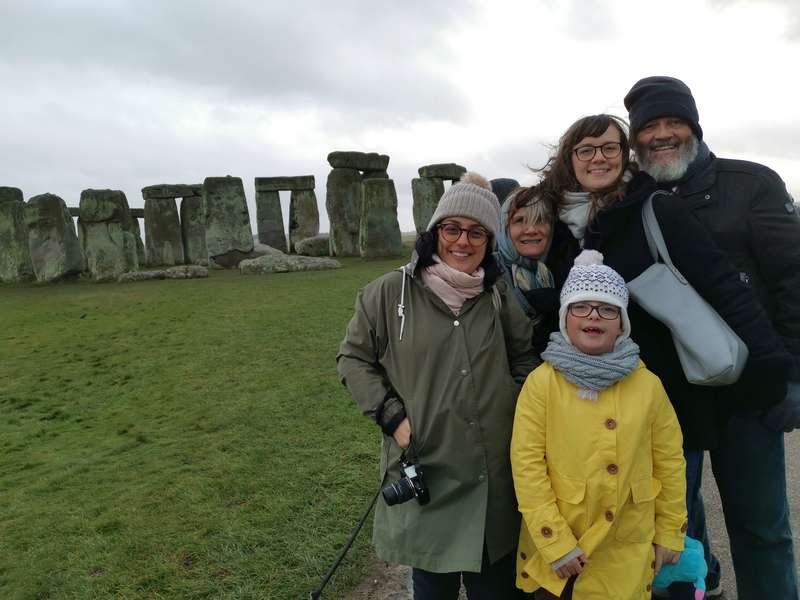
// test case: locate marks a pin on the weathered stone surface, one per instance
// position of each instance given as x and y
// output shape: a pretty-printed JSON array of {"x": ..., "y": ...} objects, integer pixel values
[
  {"x": 380, "y": 231},
  {"x": 276, "y": 184},
  {"x": 449, "y": 171},
  {"x": 137, "y": 234},
  {"x": 165, "y": 191},
  {"x": 284, "y": 263},
  {"x": 193, "y": 231},
  {"x": 363, "y": 161},
  {"x": 319, "y": 245},
  {"x": 136, "y": 213},
  {"x": 55, "y": 250},
  {"x": 177, "y": 272},
  {"x": 15, "y": 256},
  {"x": 269, "y": 219},
  {"x": 74, "y": 211},
  {"x": 374, "y": 175},
  {"x": 106, "y": 233},
  {"x": 343, "y": 202},
  {"x": 162, "y": 232},
  {"x": 426, "y": 192},
  {"x": 303, "y": 216},
  {"x": 227, "y": 218}
]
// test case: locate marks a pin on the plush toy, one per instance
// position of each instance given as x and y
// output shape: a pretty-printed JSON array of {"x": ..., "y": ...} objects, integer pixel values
[{"x": 691, "y": 567}]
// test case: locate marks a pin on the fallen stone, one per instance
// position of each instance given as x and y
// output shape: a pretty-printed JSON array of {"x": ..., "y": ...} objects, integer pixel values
[
  {"x": 227, "y": 219},
  {"x": 105, "y": 231},
  {"x": 232, "y": 259},
  {"x": 284, "y": 263},
  {"x": 380, "y": 231},
  {"x": 319, "y": 245},
  {"x": 166, "y": 191},
  {"x": 276, "y": 184},
  {"x": 177, "y": 272},
  {"x": 363, "y": 161},
  {"x": 449, "y": 171},
  {"x": 303, "y": 216},
  {"x": 426, "y": 192},
  {"x": 269, "y": 219},
  {"x": 343, "y": 200},
  {"x": 55, "y": 250},
  {"x": 15, "y": 256},
  {"x": 162, "y": 232},
  {"x": 193, "y": 231}
]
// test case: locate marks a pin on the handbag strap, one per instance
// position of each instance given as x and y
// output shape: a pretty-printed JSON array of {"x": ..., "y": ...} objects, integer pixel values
[{"x": 655, "y": 239}]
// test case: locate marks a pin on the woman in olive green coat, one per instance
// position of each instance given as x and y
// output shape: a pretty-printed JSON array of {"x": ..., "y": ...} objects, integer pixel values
[{"x": 436, "y": 353}]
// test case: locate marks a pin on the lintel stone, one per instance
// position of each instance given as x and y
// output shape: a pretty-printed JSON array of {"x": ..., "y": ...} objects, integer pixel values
[
  {"x": 164, "y": 190},
  {"x": 449, "y": 171},
  {"x": 363, "y": 161},
  {"x": 277, "y": 184}
]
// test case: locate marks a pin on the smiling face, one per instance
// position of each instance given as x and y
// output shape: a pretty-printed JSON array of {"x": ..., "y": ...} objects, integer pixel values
[
  {"x": 530, "y": 239},
  {"x": 599, "y": 173},
  {"x": 592, "y": 334},
  {"x": 665, "y": 147},
  {"x": 460, "y": 255}
]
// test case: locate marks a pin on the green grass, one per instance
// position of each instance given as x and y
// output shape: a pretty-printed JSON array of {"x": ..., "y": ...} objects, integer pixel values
[{"x": 181, "y": 439}]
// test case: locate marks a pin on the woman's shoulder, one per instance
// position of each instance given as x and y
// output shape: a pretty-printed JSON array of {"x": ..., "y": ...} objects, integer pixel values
[{"x": 387, "y": 284}]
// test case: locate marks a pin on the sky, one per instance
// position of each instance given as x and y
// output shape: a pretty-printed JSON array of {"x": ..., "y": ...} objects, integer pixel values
[{"x": 122, "y": 94}]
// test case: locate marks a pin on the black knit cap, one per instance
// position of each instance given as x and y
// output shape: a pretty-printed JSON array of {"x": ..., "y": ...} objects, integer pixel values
[{"x": 659, "y": 96}]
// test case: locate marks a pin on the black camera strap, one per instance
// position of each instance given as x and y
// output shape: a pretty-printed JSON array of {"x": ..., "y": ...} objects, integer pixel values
[{"x": 318, "y": 592}]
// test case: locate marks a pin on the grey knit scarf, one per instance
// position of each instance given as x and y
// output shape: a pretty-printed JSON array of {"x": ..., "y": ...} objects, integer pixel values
[{"x": 592, "y": 374}]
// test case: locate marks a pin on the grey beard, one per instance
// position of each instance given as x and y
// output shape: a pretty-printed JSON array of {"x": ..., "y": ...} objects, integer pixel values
[{"x": 673, "y": 170}]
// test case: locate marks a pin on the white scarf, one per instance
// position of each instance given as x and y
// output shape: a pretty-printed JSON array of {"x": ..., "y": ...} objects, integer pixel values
[
  {"x": 454, "y": 287},
  {"x": 574, "y": 213}
]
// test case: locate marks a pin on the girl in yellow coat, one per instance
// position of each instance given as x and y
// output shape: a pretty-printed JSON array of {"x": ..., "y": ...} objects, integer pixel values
[{"x": 596, "y": 454}]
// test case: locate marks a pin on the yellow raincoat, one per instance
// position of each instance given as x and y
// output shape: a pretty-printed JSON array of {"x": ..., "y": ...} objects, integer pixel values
[{"x": 606, "y": 475}]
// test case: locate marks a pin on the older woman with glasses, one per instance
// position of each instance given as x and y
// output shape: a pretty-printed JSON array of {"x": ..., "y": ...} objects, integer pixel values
[
  {"x": 600, "y": 195},
  {"x": 435, "y": 354}
]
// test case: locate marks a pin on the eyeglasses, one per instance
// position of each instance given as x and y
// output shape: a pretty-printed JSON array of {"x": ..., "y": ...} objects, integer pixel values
[
  {"x": 476, "y": 236},
  {"x": 588, "y": 152},
  {"x": 584, "y": 309}
]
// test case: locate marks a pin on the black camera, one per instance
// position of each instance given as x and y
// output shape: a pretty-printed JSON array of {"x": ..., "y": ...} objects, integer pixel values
[{"x": 411, "y": 485}]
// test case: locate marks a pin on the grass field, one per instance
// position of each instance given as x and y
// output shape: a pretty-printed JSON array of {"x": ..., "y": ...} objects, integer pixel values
[{"x": 180, "y": 439}]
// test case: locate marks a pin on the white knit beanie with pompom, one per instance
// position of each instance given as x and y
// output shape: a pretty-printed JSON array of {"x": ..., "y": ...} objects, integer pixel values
[
  {"x": 470, "y": 197},
  {"x": 591, "y": 280}
]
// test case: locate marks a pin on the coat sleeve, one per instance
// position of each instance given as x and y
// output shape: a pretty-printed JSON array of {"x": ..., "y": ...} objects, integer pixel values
[
  {"x": 518, "y": 334},
  {"x": 669, "y": 467},
  {"x": 358, "y": 363},
  {"x": 537, "y": 501}
]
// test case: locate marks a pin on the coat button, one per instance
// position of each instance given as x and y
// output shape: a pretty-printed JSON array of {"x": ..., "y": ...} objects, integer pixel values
[
  {"x": 456, "y": 323},
  {"x": 649, "y": 587},
  {"x": 653, "y": 565},
  {"x": 612, "y": 469},
  {"x": 524, "y": 575},
  {"x": 684, "y": 527},
  {"x": 523, "y": 556},
  {"x": 547, "y": 532},
  {"x": 609, "y": 516},
  {"x": 611, "y": 424},
  {"x": 708, "y": 196}
]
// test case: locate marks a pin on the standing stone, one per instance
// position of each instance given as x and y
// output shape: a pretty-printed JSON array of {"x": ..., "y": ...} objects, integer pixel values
[
  {"x": 269, "y": 217},
  {"x": 343, "y": 202},
  {"x": 193, "y": 231},
  {"x": 54, "y": 247},
  {"x": 380, "y": 231},
  {"x": 162, "y": 232},
  {"x": 15, "y": 256},
  {"x": 227, "y": 219},
  {"x": 106, "y": 234},
  {"x": 303, "y": 216},
  {"x": 426, "y": 192},
  {"x": 137, "y": 234}
]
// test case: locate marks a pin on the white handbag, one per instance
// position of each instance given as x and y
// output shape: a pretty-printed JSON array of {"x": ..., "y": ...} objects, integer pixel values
[{"x": 710, "y": 352}]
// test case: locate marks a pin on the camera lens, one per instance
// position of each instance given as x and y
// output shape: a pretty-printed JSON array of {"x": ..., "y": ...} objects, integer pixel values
[{"x": 398, "y": 492}]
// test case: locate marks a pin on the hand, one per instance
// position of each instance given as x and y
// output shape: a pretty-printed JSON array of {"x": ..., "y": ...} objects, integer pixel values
[
  {"x": 402, "y": 435},
  {"x": 665, "y": 556},
  {"x": 573, "y": 567},
  {"x": 786, "y": 415}
]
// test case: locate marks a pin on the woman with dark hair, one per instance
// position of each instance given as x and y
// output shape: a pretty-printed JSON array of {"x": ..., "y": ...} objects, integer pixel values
[{"x": 435, "y": 354}]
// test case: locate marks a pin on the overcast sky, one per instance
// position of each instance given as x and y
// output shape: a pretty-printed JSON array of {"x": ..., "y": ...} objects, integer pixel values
[{"x": 123, "y": 94}]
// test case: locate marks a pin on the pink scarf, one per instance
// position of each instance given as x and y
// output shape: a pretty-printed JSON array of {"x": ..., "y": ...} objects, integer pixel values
[{"x": 452, "y": 286}]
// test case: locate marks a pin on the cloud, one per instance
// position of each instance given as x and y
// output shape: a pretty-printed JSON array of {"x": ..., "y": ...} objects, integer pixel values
[{"x": 790, "y": 7}]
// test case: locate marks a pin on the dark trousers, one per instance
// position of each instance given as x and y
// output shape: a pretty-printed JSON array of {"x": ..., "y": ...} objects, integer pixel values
[
  {"x": 750, "y": 471},
  {"x": 494, "y": 582}
]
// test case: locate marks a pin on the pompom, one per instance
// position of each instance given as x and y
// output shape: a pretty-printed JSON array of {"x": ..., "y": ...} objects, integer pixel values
[
  {"x": 475, "y": 179},
  {"x": 588, "y": 258}
]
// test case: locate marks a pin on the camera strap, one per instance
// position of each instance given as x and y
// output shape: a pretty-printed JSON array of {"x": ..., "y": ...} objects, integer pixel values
[{"x": 318, "y": 592}]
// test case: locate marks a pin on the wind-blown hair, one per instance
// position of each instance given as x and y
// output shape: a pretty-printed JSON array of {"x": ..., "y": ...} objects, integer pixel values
[
  {"x": 426, "y": 246},
  {"x": 558, "y": 176},
  {"x": 536, "y": 209}
]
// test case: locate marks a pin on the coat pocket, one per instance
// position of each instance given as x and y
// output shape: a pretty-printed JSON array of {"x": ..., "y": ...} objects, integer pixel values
[
  {"x": 636, "y": 520},
  {"x": 570, "y": 494}
]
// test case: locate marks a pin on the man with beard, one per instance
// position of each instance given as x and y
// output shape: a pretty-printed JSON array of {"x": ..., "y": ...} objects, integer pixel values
[{"x": 752, "y": 218}]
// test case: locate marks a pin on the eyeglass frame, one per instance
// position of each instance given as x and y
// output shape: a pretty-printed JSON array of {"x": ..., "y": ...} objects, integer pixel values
[
  {"x": 596, "y": 148},
  {"x": 595, "y": 308},
  {"x": 462, "y": 230}
]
